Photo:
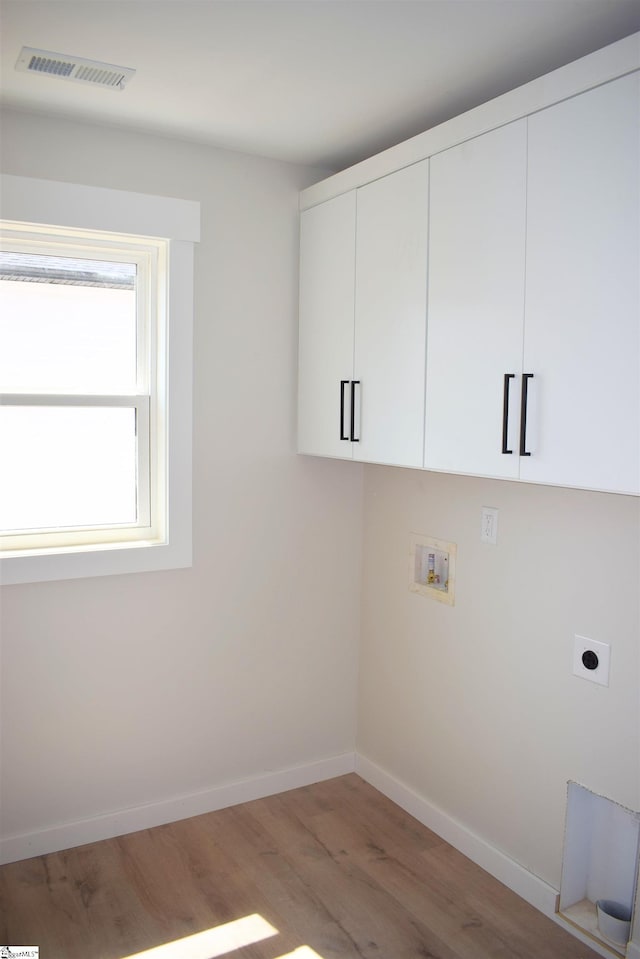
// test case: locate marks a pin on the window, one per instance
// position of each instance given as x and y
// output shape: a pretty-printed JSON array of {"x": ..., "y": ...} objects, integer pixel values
[
  {"x": 95, "y": 338},
  {"x": 81, "y": 346}
]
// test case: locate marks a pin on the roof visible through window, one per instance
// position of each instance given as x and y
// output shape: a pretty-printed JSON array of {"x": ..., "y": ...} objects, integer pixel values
[{"x": 36, "y": 268}]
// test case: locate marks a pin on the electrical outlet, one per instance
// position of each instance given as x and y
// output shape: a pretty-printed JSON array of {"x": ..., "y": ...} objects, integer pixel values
[
  {"x": 591, "y": 660},
  {"x": 489, "y": 525}
]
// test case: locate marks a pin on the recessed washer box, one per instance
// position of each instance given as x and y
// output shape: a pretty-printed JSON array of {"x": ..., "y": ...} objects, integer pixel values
[{"x": 432, "y": 568}]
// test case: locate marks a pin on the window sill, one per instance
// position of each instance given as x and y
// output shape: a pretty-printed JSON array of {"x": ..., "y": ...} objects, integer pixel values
[{"x": 110, "y": 559}]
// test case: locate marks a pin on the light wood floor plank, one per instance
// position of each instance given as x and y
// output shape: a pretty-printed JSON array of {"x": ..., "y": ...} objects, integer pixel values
[{"x": 335, "y": 867}]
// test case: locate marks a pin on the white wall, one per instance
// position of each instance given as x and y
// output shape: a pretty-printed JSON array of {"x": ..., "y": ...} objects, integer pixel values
[
  {"x": 130, "y": 690},
  {"x": 135, "y": 689},
  {"x": 474, "y": 707}
]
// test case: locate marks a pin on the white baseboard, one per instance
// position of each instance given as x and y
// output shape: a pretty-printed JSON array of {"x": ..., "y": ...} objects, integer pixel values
[
  {"x": 125, "y": 821},
  {"x": 534, "y": 890}
]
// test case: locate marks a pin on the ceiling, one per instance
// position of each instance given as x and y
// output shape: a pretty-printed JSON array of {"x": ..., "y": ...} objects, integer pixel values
[{"x": 323, "y": 82}]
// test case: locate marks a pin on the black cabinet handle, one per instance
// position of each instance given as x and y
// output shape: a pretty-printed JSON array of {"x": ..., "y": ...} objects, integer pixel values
[
  {"x": 505, "y": 412},
  {"x": 523, "y": 414},
  {"x": 354, "y": 438},
  {"x": 343, "y": 383}
]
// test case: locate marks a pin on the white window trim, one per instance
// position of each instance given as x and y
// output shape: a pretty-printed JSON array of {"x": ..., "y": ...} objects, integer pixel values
[{"x": 27, "y": 200}]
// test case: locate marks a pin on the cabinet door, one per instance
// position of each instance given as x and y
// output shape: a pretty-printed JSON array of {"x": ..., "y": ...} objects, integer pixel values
[
  {"x": 327, "y": 275},
  {"x": 390, "y": 326},
  {"x": 582, "y": 310},
  {"x": 476, "y": 303}
]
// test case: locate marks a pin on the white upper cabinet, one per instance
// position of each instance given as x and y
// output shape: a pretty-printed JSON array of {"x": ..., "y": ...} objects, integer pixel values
[
  {"x": 327, "y": 278},
  {"x": 582, "y": 316},
  {"x": 363, "y": 302},
  {"x": 390, "y": 317},
  {"x": 533, "y": 353},
  {"x": 476, "y": 304},
  {"x": 477, "y": 308}
]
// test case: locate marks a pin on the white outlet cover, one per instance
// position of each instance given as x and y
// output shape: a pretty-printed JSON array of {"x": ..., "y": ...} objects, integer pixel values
[
  {"x": 600, "y": 675},
  {"x": 489, "y": 525}
]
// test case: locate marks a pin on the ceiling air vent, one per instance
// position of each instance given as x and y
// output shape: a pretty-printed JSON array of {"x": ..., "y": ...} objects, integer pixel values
[{"x": 73, "y": 68}]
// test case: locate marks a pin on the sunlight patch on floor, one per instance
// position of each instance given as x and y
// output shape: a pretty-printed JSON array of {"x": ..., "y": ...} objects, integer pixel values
[
  {"x": 304, "y": 952},
  {"x": 218, "y": 941}
]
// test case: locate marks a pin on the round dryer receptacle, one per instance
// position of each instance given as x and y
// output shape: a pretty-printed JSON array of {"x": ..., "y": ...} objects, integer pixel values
[{"x": 590, "y": 659}]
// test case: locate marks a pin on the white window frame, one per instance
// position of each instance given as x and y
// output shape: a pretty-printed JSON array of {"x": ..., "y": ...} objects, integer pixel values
[
  {"x": 173, "y": 225},
  {"x": 150, "y": 261}
]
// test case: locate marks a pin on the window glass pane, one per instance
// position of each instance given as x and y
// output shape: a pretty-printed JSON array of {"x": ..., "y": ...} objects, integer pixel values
[
  {"x": 71, "y": 467},
  {"x": 60, "y": 335}
]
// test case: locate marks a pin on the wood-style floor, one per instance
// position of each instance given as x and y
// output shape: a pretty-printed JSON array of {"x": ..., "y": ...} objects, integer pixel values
[{"x": 330, "y": 871}]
